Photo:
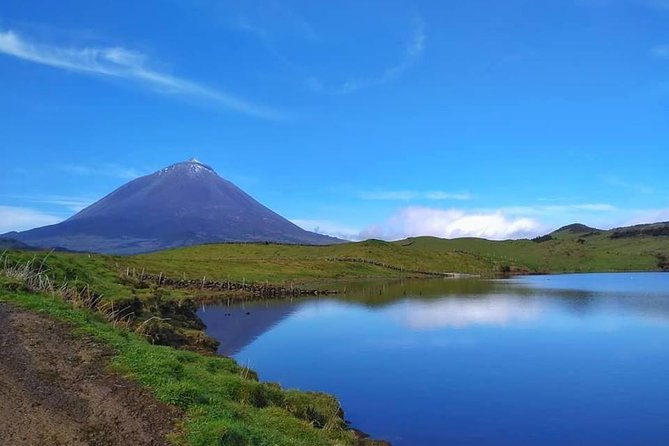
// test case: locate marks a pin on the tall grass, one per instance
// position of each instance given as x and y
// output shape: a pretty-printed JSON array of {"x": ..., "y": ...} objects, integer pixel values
[{"x": 33, "y": 276}]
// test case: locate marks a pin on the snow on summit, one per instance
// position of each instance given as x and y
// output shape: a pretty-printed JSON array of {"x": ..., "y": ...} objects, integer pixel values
[{"x": 193, "y": 166}]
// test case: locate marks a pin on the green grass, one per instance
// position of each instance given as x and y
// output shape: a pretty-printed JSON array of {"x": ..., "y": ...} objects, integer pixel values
[
  {"x": 224, "y": 404},
  {"x": 93, "y": 270},
  {"x": 566, "y": 252},
  {"x": 299, "y": 264}
]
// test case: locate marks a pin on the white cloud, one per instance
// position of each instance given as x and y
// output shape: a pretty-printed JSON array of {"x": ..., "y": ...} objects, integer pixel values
[
  {"x": 328, "y": 227},
  {"x": 511, "y": 222},
  {"x": 453, "y": 223},
  {"x": 19, "y": 219},
  {"x": 121, "y": 63},
  {"x": 406, "y": 195}
]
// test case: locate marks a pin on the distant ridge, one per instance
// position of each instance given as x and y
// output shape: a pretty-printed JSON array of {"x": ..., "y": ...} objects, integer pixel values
[
  {"x": 647, "y": 229},
  {"x": 576, "y": 228},
  {"x": 183, "y": 204},
  {"x": 12, "y": 244},
  {"x": 650, "y": 229}
]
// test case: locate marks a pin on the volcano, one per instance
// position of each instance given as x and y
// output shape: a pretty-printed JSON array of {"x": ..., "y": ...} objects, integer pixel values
[{"x": 184, "y": 204}]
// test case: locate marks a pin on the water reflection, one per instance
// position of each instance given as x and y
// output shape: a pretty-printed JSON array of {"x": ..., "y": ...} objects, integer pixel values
[
  {"x": 459, "y": 312},
  {"x": 532, "y": 360},
  {"x": 421, "y": 304},
  {"x": 645, "y": 294},
  {"x": 382, "y": 292},
  {"x": 236, "y": 326}
]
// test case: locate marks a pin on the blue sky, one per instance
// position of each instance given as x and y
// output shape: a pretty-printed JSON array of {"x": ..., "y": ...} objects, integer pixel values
[{"x": 360, "y": 119}]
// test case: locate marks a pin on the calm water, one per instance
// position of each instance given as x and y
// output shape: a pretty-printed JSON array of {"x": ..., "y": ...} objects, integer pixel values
[{"x": 544, "y": 360}]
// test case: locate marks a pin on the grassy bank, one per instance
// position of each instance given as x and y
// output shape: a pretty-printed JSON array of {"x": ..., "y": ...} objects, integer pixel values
[{"x": 224, "y": 404}]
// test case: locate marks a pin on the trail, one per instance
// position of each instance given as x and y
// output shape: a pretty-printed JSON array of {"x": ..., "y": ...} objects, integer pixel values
[{"x": 55, "y": 389}]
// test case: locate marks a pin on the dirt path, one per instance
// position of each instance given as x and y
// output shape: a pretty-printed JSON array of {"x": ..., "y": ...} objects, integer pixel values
[{"x": 54, "y": 390}]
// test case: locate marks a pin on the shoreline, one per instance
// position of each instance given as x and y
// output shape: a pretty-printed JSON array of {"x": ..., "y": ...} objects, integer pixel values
[{"x": 182, "y": 318}]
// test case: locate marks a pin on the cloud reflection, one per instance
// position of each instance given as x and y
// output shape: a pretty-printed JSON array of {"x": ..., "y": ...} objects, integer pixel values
[{"x": 464, "y": 312}]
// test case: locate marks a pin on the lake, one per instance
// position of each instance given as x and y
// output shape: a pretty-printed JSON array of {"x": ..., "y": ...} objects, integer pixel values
[{"x": 537, "y": 360}]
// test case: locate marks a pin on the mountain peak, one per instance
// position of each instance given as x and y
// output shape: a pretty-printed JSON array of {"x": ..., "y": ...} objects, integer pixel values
[
  {"x": 192, "y": 166},
  {"x": 183, "y": 204}
]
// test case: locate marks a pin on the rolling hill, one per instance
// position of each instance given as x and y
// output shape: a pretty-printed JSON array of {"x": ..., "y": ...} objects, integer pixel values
[{"x": 573, "y": 248}]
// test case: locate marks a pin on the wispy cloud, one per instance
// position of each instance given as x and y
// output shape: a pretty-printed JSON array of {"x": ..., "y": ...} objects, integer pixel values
[
  {"x": 407, "y": 195},
  {"x": 615, "y": 181},
  {"x": 67, "y": 202},
  {"x": 121, "y": 63},
  {"x": 647, "y": 216},
  {"x": 74, "y": 204},
  {"x": 564, "y": 209},
  {"x": 20, "y": 218},
  {"x": 413, "y": 50},
  {"x": 104, "y": 170},
  {"x": 660, "y": 51}
]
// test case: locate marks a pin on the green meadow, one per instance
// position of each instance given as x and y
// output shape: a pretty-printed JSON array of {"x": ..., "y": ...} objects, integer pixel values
[{"x": 565, "y": 251}]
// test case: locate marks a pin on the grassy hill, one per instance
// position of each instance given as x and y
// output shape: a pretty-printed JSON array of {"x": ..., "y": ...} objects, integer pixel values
[
  {"x": 574, "y": 248},
  {"x": 281, "y": 263},
  {"x": 569, "y": 249}
]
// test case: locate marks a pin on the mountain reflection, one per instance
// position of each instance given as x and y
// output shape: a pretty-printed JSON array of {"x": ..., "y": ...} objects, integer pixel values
[{"x": 236, "y": 326}]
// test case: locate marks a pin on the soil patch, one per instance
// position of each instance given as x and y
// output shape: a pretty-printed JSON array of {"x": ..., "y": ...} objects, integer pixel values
[{"x": 55, "y": 389}]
